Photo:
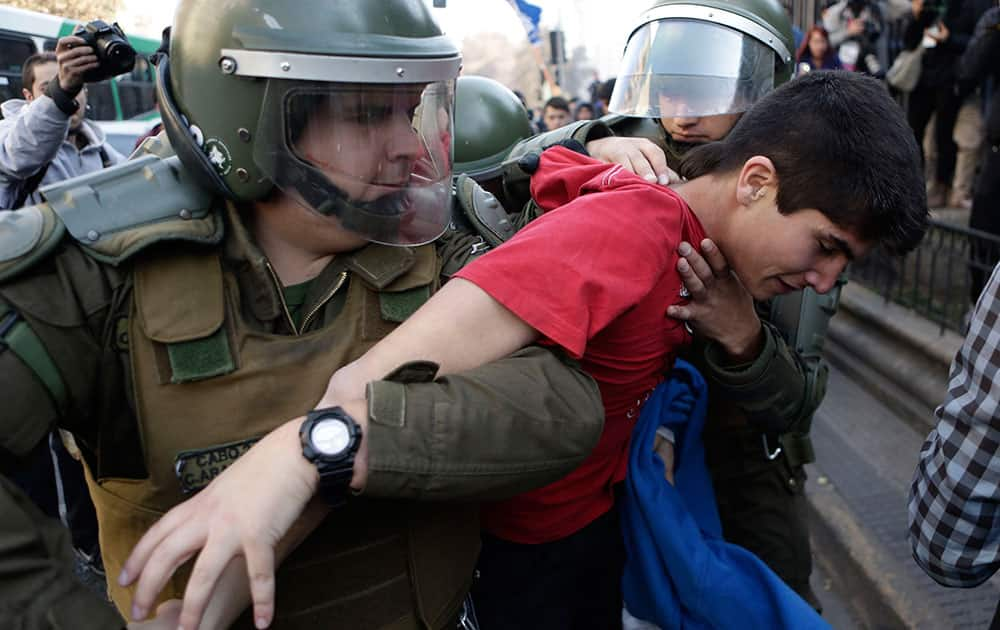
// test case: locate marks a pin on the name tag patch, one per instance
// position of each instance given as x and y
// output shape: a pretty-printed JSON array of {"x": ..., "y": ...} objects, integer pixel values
[{"x": 197, "y": 468}]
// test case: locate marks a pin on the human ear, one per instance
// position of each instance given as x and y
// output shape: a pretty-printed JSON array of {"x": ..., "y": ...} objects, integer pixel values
[{"x": 757, "y": 179}]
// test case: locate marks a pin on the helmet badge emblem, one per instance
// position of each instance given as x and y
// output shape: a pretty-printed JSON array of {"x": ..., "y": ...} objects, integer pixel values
[{"x": 218, "y": 154}]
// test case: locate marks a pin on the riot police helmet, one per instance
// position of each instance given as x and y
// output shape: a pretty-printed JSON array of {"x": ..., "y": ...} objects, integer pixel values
[{"x": 345, "y": 106}]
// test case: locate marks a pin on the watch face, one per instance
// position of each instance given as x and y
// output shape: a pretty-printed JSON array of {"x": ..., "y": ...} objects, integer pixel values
[{"x": 330, "y": 436}]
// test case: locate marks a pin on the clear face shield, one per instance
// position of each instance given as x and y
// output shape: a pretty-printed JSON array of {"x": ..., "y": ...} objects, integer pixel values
[
  {"x": 691, "y": 68},
  {"x": 377, "y": 157}
]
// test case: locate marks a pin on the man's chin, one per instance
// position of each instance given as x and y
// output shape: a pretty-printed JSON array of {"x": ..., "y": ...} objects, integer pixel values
[{"x": 772, "y": 288}]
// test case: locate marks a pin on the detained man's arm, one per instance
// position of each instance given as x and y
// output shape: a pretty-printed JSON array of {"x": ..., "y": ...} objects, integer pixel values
[{"x": 460, "y": 328}]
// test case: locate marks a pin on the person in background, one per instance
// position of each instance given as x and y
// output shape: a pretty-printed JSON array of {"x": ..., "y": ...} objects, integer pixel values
[
  {"x": 815, "y": 52},
  {"x": 529, "y": 112},
  {"x": 584, "y": 111},
  {"x": 556, "y": 113},
  {"x": 980, "y": 62},
  {"x": 859, "y": 21},
  {"x": 603, "y": 96},
  {"x": 944, "y": 32},
  {"x": 44, "y": 137}
]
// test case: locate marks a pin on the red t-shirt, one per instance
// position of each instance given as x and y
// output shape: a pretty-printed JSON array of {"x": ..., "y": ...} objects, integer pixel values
[{"x": 594, "y": 275}]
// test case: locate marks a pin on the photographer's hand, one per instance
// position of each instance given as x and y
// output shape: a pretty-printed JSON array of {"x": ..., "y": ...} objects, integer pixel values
[{"x": 75, "y": 58}]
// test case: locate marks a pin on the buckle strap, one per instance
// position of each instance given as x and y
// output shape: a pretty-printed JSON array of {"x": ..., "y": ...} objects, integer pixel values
[{"x": 23, "y": 342}]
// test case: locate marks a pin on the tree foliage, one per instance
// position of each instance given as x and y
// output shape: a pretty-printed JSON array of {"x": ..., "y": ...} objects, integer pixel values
[{"x": 83, "y": 10}]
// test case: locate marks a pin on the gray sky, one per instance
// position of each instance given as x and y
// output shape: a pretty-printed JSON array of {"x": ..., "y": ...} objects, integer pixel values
[{"x": 600, "y": 25}]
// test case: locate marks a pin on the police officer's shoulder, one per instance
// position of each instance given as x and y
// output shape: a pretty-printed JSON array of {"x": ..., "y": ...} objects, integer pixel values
[
  {"x": 481, "y": 211},
  {"x": 27, "y": 235},
  {"x": 112, "y": 214}
]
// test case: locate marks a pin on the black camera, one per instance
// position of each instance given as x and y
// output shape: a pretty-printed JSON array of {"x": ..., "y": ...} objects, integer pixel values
[{"x": 115, "y": 54}]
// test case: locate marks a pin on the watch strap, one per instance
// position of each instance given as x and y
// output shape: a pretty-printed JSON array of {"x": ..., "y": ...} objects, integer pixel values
[{"x": 335, "y": 483}]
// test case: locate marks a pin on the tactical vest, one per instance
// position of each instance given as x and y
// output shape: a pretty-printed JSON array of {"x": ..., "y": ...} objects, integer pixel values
[{"x": 206, "y": 382}]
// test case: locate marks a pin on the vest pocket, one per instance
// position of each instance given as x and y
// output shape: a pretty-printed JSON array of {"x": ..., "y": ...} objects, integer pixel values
[{"x": 122, "y": 522}]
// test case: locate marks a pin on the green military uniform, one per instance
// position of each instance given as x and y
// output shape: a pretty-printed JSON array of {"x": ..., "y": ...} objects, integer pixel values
[
  {"x": 39, "y": 589},
  {"x": 139, "y": 313},
  {"x": 757, "y": 435},
  {"x": 182, "y": 352}
]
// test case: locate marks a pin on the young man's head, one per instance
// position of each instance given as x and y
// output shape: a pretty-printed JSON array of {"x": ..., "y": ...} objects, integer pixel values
[
  {"x": 36, "y": 73},
  {"x": 556, "y": 113},
  {"x": 821, "y": 169}
]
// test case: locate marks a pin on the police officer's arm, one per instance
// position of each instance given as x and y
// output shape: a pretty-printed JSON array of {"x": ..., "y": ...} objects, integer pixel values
[
  {"x": 778, "y": 391},
  {"x": 516, "y": 180},
  {"x": 746, "y": 358},
  {"x": 48, "y": 359},
  {"x": 39, "y": 590}
]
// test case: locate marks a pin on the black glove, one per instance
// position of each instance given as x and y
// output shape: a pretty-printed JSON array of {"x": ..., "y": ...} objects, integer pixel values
[{"x": 529, "y": 161}]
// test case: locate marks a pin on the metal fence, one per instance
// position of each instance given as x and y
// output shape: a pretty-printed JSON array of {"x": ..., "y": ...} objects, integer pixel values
[{"x": 940, "y": 279}]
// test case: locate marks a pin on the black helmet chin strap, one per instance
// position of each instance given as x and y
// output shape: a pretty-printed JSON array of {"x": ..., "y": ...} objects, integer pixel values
[{"x": 375, "y": 220}]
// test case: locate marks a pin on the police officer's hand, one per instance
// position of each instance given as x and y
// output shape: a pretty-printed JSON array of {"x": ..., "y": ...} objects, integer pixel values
[
  {"x": 665, "y": 449},
  {"x": 75, "y": 58},
  {"x": 720, "y": 308},
  {"x": 639, "y": 155}
]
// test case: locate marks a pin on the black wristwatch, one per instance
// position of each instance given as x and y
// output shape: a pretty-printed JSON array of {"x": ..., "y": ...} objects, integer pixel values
[{"x": 330, "y": 440}]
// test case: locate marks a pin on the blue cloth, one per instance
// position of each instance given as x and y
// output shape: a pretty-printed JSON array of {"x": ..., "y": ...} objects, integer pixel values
[
  {"x": 529, "y": 15},
  {"x": 679, "y": 573}
]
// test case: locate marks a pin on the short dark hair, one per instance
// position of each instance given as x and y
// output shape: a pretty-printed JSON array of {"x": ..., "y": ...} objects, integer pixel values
[
  {"x": 839, "y": 144},
  {"x": 605, "y": 89},
  {"x": 557, "y": 102},
  {"x": 28, "y": 69}
]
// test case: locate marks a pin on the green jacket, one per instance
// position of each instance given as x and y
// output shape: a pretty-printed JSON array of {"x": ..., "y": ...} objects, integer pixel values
[{"x": 534, "y": 412}]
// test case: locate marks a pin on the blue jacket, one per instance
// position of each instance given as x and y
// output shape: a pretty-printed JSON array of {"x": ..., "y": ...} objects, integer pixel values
[{"x": 679, "y": 573}]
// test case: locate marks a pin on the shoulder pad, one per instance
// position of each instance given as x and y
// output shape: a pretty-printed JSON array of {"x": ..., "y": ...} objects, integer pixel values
[
  {"x": 489, "y": 219},
  {"x": 118, "y": 211},
  {"x": 27, "y": 235}
]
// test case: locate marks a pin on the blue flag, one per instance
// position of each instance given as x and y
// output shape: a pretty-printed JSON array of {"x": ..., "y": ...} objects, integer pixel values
[{"x": 530, "y": 15}]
